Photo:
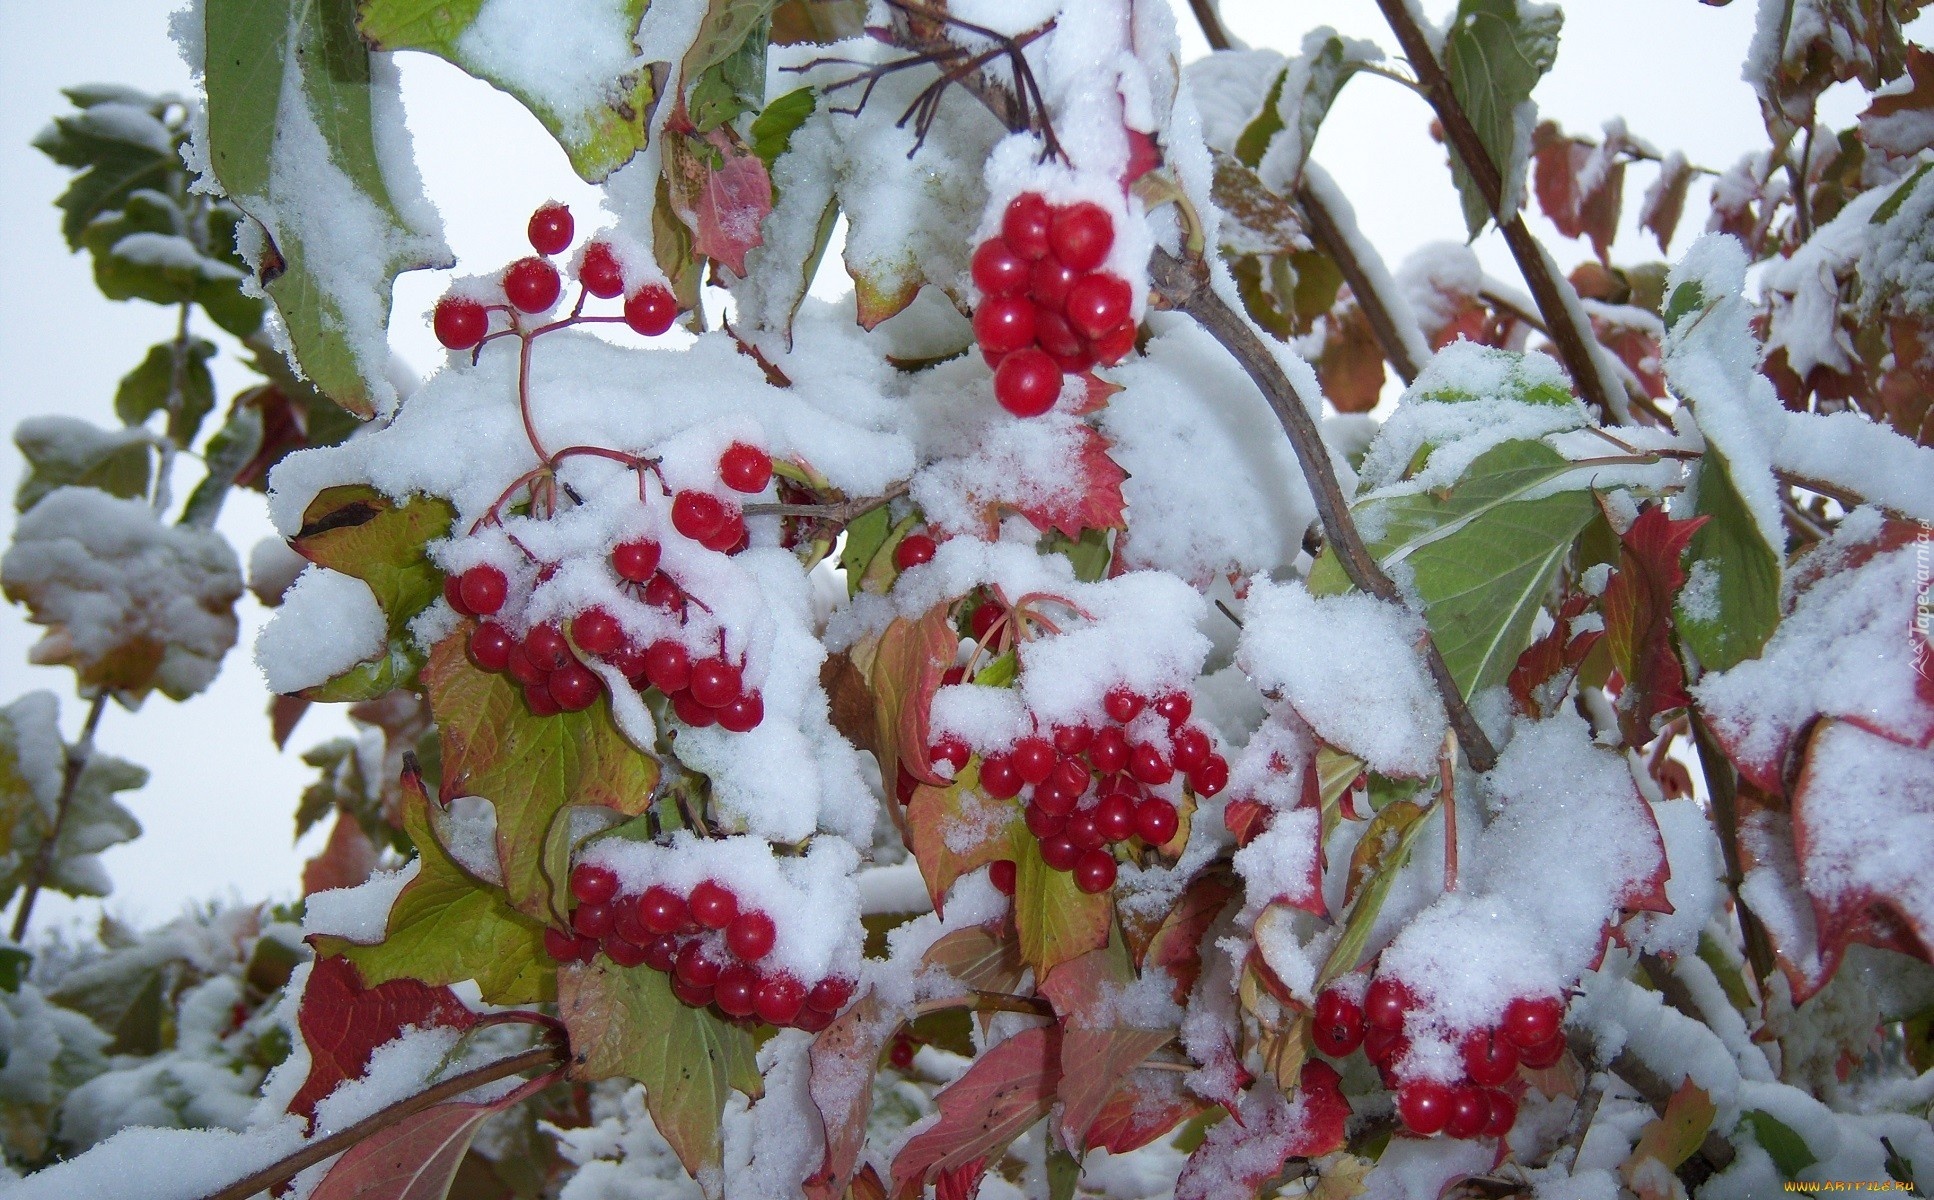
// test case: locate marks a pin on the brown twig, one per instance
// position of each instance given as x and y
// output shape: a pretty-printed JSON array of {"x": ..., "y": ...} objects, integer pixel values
[
  {"x": 277, "y": 1173},
  {"x": 1577, "y": 346},
  {"x": 836, "y": 514},
  {"x": 1722, "y": 785},
  {"x": 77, "y": 756},
  {"x": 1211, "y": 22},
  {"x": 1327, "y": 233},
  {"x": 1185, "y": 286}
]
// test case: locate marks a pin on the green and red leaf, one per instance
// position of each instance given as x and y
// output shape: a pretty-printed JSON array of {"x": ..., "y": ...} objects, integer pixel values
[
  {"x": 1057, "y": 920},
  {"x": 1000, "y": 1097},
  {"x": 1637, "y": 606},
  {"x": 1099, "y": 1049},
  {"x": 956, "y": 829},
  {"x": 343, "y": 1022},
  {"x": 1095, "y": 501}
]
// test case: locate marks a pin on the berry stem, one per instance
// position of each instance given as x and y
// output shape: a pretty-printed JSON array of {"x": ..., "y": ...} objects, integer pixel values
[
  {"x": 524, "y": 393},
  {"x": 1447, "y": 797}
]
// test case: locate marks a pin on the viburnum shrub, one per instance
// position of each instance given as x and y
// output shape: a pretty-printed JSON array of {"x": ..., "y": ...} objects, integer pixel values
[{"x": 1046, "y": 723}]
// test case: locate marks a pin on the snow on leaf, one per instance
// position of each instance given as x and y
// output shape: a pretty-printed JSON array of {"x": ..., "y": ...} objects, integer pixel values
[
  {"x": 1740, "y": 569},
  {"x": 1057, "y": 920},
  {"x": 1676, "y": 1134},
  {"x": 956, "y": 829},
  {"x": 1095, "y": 501},
  {"x": 1100, "y": 1045},
  {"x": 625, "y": 1022},
  {"x": 32, "y": 762},
  {"x": 1372, "y": 885},
  {"x": 1534, "y": 682},
  {"x": 1637, "y": 605},
  {"x": 979, "y": 957},
  {"x": 576, "y": 74},
  {"x": 1665, "y": 200},
  {"x": 1238, "y": 1156},
  {"x": 1146, "y": 1105},
  {"x": 417, "y": 1157},
  {"x": 445, "y": 927},
  {"x": 66, "y": 450},
  {"x": 721, "y": 192},
  {"x": 345, "y": 860},
  {"x": 1902, "y": 122},
  {"x": 343, "y": 1022},
  {"x": 1176, "y": 944},
  {"x": 844, "y": 1058},
  {"x": 1005, "y": 1092},
  {"x": 528, "y": 766},
  {"x": 1495, "y": 53}
]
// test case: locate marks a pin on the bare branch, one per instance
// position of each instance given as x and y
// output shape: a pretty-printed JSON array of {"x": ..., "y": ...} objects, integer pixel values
[
  {"x": 835, "y": 514},
  {"x": 77, "y": 756}
]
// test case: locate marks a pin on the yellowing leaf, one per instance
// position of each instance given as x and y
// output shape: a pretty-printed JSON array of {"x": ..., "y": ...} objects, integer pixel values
[{"x": 1057, "y": 920}]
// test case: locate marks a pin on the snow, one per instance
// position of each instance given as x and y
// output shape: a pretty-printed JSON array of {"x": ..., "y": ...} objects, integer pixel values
[
  {"x": 108, "y": 579},
  {"x": 360, "y": 913},
  {"x": 122, "y": 121},
  {"x": 328, "y": 623},
  {"x": 1803, "y": 290},
  {"x": 172, "y": 252},
  {"x": 272, "y": 568},
  {"x": 1395, "y": 299},
  {"x": 1311, "y": 75},
  {"x": 200, "y": 1163},
  {"x": 1864, "y": 819},
  {"x": 565, "y": 55},
  {"x": 1229, "y": 87}
]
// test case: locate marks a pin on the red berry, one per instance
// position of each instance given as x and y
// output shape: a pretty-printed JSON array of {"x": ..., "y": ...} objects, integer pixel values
[
  {"x": 1156, "y": 821},
  {"x": 483, "y": 588},
  {"x": 750, "y": 935},
  {"x": 715, "y": 682},
  {"x": 1385, "y": 1004},
  {"x": 459, "y": 323},
  {"x": 690, "y": 711},
  {"x": 1110, "y": 751},
  {"x": 984, "y": 618},
  {"x": 1081, "y": 235},
  {"x": 522, "y": 669},
  {"x": 691, "y": 995},
  {"x": 1384, "y": 1046},
  {"x": 630, "y": 661},
  {"x": 1034, "y": 759},
  {"x": 662, "y": 591},
  {"x": 698, "y": 966},
  {"x": 1175, "y": 708},
  {"x": 574, "y": 687},
  {"x": 661, "y": 952},
  {"x": 1001, "y": 875},
  {"x": 668, "y": 667},
  {"x": 713, "y": 907},
  {"x": 1111, "y": 347},
  {"x": 1070, "y": 776},
  {"x": 914, "y": 549},
  {"x": 1095, "y": 872},
  {"x": 726, "y": 538},
  {"x": 561, "y": 946},
  {"x": 1004, "y": 324},
  {"x": 1073, "y": 739},
  {"x": 900, "y": 1053},
  {"x": 550, "y": 228},
  {"x": 593, "y": 884},
  {"x": 545, "y": 646},
  {"x": 661, "y": 910},
  {"x": 1424, "y": 1105},
  {"x": 1147, "y": 765},
  {"x": 1085, "y": 831},
  {"x": 998, "y": 271},
  {"x": 1049, "y": 282},
  {"x": 1044, "y": 822},
  {"x": 1098, "y": 304},
  {"x": 1529, "y": 1022},
  {"x": 1115, "y": 817},
  {"x": 830, "y": 994},
  {"x": 532, "y": 285},
  {"x": 651, "y": 310},
  {"x": 1122, "y": 705},
  {"x": 1540, "y": 1055},
  {"x": 453, "y": 594},
  {"x": 593, "y": 920},
  {"x": 1211, "y": 777},
  {"x": 1489, "y": 1057},
  {"x": 745, "y": 468},
  {"x": 600, "y": 272},
  {"x": 1468, "y": 1112},
  {"x": 779, "y": 999},
  {"x": 490, "y": 646},
  {"x": 1338, "y": 1025},
  {"x": 1057, "y": 337},
  {"x": 623, "y": 951},
  {"x": 1060, "y": 854},
  {"x": 744, "y": 713},
  {"x": 1026, "y": 223},
  {"x": 952, "y": 751},
  {"x": 1189, "y": 748},
  {"x": 698, "y": 515},
  {"x": 737, "y": 991},
  {"x": 1055, "y": 798},
  {"x": 597, "y": 632},
  {"x": 636, "y": 561},
  {"x": 998, "y": 778},
  {"x": 1027, "y": 383},
  {"x": 1502, "y": 1115}
]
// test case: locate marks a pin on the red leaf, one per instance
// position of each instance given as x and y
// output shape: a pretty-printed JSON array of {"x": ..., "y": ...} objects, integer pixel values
[
  {"x": 1176, "y": 946},
  {"x": 722, "y": 193},
  {"x": 1637, "y": 605},
  {"x": 1580, "y": 185},
  {"x": 1147, "y": 1105},
  {"x": 1239, "y": 1155},
  {"x": 844, "y": 1057},
  {"x": 1665, "y": 200},
  {"x": 1098, "y": 1047},
  {"x": 417, "y": 1157},
  {"x": 1246, "y": 819},
  {"x": 1350, "y": 367},
  {"x": 1552, "y": 655},
  {"x": 1902, "y": 123},
  {"x": 1637, "y": 349},
  {"x": 284, "y": 712},
  {"x": 1097, "y": 502},
  {"x": 343, "y": 1022},
  {"x": 1005, "y": 1092},
  {"x": 346, "y": 860}
]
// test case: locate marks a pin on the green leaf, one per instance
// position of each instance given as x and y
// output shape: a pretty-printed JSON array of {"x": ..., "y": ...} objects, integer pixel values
[
  {"x": 154, "y": 387},
  {"x": 1090, "y": 554},
  {"x": 1321, "y": 76},
  {"x": 1266, "y": 124},
  {"x": 113, "y": 167},
  {"x": 446, "y": 927},
  {"x": 1738, "y": 609},
  {"x": 359, "y": 531},
  {"x": 1892, "y": 203},
  {"x": 625, "y": 1023},
  {"x": 1686, "y": 299},
  {"x": 14, "y": 965},
  {"x": 736, "y": 82},
  {"x": 598, "y": 139},
  {"x": 63, "y": 451},
  {"x": 772, "y": 130},
  {"x": 232, "y": 448},
  {"x": 866, "y": 535},
  {"x": 1482, "y": 556},
  {"x": 528, "y": 766},
  {"x": 1057, "y": 920},
  {"x": 1379, "y": 871},
  {"x": 1788, "y": 1150},
  {"x": 1494, "y": 54},
  {"x": 330, "y": 278}
]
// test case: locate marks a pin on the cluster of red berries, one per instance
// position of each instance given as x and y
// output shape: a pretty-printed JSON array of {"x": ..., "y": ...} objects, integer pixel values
[
  {"x": 1046, "y": 308},
  {"x": 1088, "y": 785},
  {"x": 708, "y": 943},
  {"x": 703, "y": 691},
  {"x": 1476, "y": 1106},
  {"x": 533, "y": 284}
]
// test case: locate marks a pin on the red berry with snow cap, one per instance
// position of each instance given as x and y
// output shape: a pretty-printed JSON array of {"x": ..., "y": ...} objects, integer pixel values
[
  {"x": 1026, "y": 225},
  {"x": 715, "y": 682},
  {"x": 745, "y": 468},
  {"x": 593, "y": 884},
  {"x": 698, "y": 515},
  {"x": 750, "y": 935},
  {"x": 712, "y": 905},
  {"x": 1081, "y": 235},
  {"x": 1385, "y": 1004},
  {"x": 651, "y": 310},
  {"x": 1531, "y": 1021},
  {"x": 600, "y": 272},
  {"x": 914, "y": 550},
  {"x": 459, "y": 323},
  {"x": 532, "y": 285},
  {"x": 637, "y": 560}
]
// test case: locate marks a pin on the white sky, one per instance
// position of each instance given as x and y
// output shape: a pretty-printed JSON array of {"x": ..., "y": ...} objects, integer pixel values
[{"x": 219, "y": 806}]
